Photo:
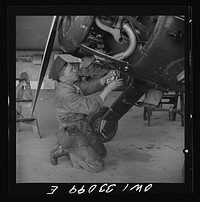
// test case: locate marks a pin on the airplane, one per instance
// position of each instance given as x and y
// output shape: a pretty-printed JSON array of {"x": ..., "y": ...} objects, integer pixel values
[{"x": 147, "y": 51}]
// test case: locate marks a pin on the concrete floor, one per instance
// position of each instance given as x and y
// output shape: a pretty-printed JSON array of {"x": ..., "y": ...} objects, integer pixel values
[{"x": 138, "y": 153}]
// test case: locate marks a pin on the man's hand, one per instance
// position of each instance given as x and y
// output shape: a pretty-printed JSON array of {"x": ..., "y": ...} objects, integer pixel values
[
  {"x": 114, "y": 84},
  {"x": 111, "y": 74},
  {"x": 110, "y": 87},
  {"x": 21, "y": 84}
]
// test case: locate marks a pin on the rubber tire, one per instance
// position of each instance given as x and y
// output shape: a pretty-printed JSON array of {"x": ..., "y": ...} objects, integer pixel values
[{"x": 95, "y": 121}]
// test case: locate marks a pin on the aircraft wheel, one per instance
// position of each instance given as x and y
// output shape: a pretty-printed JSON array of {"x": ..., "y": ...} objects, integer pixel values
[{"x": 95, "y": 123}]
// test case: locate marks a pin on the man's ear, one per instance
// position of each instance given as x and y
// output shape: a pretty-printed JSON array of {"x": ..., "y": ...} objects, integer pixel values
[{"x": 62, "y": 79}]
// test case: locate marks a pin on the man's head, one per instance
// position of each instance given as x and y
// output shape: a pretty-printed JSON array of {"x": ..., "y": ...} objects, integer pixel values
[
  {"x": 68, "y": 73},
  {"x": 24, "y": 76},
  {"x": 63, "y": 71}
]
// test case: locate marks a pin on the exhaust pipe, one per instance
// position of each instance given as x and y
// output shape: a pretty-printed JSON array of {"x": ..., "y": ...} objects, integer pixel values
[
  {"x": 117, "y": 35},
  {"x": 132, "y": 43}
]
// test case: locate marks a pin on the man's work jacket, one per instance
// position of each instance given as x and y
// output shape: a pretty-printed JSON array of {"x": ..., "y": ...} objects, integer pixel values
[{"x": 74, "y": 101}]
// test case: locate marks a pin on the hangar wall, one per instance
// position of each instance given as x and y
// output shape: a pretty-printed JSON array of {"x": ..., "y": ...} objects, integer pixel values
[{"x": 30, "y": 62}]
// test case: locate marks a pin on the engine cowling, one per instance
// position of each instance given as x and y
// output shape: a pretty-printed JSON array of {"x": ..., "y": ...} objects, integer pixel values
[{"x": 72, "y": 30}]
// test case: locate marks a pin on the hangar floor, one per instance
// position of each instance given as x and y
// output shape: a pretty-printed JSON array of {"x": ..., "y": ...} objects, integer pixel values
[{"x": 138, "y": 153}]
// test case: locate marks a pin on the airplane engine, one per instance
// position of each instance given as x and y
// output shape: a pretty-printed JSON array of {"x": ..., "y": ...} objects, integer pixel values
[{"x": 111, "y": 35}]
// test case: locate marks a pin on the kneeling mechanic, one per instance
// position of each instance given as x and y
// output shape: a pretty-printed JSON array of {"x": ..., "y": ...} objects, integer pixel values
[{"x": 75, "y": 100}]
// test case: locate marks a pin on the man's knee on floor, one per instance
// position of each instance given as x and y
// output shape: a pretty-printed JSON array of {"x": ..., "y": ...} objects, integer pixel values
[{"x": 100, "y": 148}]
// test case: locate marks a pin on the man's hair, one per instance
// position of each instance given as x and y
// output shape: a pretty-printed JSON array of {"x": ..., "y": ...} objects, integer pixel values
[{"x": 61, "y": 72}]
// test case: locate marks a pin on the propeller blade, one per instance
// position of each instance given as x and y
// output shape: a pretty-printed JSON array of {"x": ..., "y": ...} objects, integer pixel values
[{"x": 46, "y": 57}]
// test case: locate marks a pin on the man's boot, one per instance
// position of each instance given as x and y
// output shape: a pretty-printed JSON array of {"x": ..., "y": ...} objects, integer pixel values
[{"x": 59, "y": 151}]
